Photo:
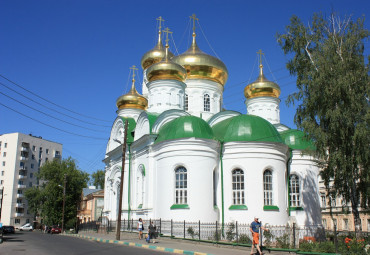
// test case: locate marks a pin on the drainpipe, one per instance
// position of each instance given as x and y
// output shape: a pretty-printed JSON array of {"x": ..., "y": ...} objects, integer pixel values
[
  {"x": 129, "y": 182},
  {"x": 222, "y": 189},
  {"x": 288, "y": 177}
]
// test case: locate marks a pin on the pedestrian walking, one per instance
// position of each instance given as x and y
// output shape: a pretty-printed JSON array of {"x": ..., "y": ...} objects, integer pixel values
[
  {"x": 140, "y": 227},
  {"x": 255, "y": 229},
  {"x": 152, "y": 231}
]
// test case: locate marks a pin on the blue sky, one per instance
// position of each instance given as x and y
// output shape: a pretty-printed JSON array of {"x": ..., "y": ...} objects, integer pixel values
[{"x": 76, "y": 54}]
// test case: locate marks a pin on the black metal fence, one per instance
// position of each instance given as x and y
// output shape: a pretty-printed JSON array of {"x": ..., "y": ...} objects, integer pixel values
[{"x": 235, "y": 232}]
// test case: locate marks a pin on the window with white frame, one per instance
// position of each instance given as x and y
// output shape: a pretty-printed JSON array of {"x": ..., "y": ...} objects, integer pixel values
[
  {"x": 140, "y": 186},
  {"x": 267, "y": 187},
  {"x": 186, "y": 102},
  {"x": 238, "y": 187},
  {"x": 345, "y": 224},
  {"x": 181, "y": 185},
  {"x": 207, "y": 103},
  {"x": 323, "y": 200},
  {"x": 324, "y": 223},
  {"x": 294, "y": 191}
]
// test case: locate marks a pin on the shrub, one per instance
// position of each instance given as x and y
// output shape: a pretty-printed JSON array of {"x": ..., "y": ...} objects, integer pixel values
[
  {"x": 283, "y": 241},
  {"x": 192, "y": 233},
  {"x": 243, "y": 238},
  {"x": 230, "y": 235},
  {"x": 268, "y": 237}
]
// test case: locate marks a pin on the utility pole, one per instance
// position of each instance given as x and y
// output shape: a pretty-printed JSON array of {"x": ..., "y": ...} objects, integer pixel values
[
  {"x": 64, "y": 200},
  {"x": 118, "y": 230}
]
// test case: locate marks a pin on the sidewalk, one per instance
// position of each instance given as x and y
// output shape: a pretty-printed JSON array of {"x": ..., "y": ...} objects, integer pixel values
[{"x": 167, "y": 244}]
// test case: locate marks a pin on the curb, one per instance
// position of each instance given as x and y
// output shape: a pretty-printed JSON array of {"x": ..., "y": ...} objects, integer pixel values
[{"x": 146, "y": 246}]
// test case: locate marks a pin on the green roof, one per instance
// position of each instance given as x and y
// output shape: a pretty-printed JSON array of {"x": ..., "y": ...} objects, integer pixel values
[
  {"x": 152, "y": 117},
  {"x": 131, "y": 127},
  {"x": 184, "y": 127},
  {"x": 296, "y": 140},
  {"x": 246, "y": 128}
]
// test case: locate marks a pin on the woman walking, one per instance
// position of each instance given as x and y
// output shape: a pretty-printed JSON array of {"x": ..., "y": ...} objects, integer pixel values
[{"x": 140, "y": 227}]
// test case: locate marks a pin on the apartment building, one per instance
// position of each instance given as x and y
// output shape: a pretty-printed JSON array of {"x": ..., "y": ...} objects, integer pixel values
[
  {"x": 21, "y": 157},
  {"x": 341, "y": 214}
]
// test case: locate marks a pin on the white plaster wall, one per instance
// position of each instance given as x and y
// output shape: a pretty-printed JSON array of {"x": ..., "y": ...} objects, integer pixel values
[
  {"x": 196, "y": 89},
  {"x": 129, "y": 113},
  {"x": 254, "y": 159},
  {"x": 199, "y": 157},
  {"x": 165, "y": 95},
  {"x": 144, "y": 87},
  {"x": 305, "y": 167},
  {"x": 265, "y": 107}
]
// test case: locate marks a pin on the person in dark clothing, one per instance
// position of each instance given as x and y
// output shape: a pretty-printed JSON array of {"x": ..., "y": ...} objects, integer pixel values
[{"x": 152, "y": 231}]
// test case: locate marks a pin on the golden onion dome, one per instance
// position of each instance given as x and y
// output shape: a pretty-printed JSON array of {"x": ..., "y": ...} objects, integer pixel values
[
  {"x": 200, "y": 65},
  {"x": 262, "y": 87},
  {"x": 156, "y": 54},
  {"x": 132, "y": 100},
  {"x": 166, "y": 69}
]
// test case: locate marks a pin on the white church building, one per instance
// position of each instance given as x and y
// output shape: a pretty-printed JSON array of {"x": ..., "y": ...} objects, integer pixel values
[{"x": 189, "y": 159}]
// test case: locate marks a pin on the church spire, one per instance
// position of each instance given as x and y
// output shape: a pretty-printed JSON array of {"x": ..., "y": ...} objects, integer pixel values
[
  {"x": 160, "y": 29},
  {"x": 167, "y": 31},
  {"x": 194, "y": 18},
  {"x": 260, "y": 53}
]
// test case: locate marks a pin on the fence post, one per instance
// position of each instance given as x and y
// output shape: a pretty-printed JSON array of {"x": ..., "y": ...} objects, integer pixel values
[
  {"x": 335, "y": 238},
  {"x": 171, "y": 228},
  {"x": 236, "y": 232},
  {"x": 160, "y": 226},
  {"x": 261, "y": 244},
  {"x": 293, "y": 235},
  {"x": 216, "y": 232},
  {"x": 199, "y": 230},
  {"x": 184, "y": 230}
]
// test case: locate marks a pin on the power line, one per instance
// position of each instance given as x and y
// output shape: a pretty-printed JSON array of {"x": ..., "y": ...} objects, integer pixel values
[
  {"x": 46, "y": 114},
  {"x": 90, "y": 123},
  {"x": 50, "y": 101},
  {"x": 65, "y": 131}
]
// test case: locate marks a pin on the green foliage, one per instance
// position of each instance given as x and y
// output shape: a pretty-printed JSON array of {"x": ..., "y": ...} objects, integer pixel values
[
  {"x": 230, "y": 235},
  {"x": 283, "y": 241},
  {"x": 327, "y": 58},
  {"x": 192, "y": 233},
  {"x": 47, "y": 199},
  {"x": 327, "y": 246},
  {"x": 98, "y": 178},
  {"x": 268, "y": 238},
  {"x": 244, "y": 239}
]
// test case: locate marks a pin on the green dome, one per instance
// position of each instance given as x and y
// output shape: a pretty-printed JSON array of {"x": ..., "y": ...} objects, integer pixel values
[
  {"x": 246, "y": 128},
  {"x": 296, "y": 140},
  {"x": 183, "y": 127}
]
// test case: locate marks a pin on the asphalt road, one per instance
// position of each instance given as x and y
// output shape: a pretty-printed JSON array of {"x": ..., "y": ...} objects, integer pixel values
[{"x": 37, "y": 243}]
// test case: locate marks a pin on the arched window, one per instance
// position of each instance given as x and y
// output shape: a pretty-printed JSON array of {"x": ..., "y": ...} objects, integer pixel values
[
  {"x": 207, "y": 103},
  {"x": 267, "y": 188},
  {"x": 140, "y": 187},
  {"x": 294, "y": 191},
  {"x": 186, "y": 102},
  {"x": 238, "y": 187},
  {"x": 181, "y": 185}
]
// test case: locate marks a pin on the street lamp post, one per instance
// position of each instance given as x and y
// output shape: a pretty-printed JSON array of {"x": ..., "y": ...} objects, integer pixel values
[
  {"x": 64, "y": 200},
  {"x": 118, "y": 230}
]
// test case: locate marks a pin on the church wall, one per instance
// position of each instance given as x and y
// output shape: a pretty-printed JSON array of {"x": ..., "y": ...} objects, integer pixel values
[
  {"x": 200, "y": 158},
  {"x": 254, "y": 159},
  {"x": 196, "y": 89},
  {"x": 265, "y": 107},
  {"x": 307, "y": 171}
]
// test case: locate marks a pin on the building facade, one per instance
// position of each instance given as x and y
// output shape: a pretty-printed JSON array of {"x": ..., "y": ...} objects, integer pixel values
[
  {"x": 91, "y": 204},
  {"x": 188, "y": 159},
  {"x": 21, "y": 157}
]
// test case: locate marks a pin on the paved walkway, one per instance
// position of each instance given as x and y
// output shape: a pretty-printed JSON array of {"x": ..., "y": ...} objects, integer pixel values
[{"x": 167, "y": 244}]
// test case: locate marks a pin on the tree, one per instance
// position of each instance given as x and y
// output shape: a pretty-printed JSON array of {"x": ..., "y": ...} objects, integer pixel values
[
  {"x": 98, "y": 178},
  {"x": 50, "y": 192},
  {"x": 327, "y": 57}
]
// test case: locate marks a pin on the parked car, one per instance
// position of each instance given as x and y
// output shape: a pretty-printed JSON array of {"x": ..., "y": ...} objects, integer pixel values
[
  {"x": 55, "y": 230},
  {"x": 26, "y": 227},
  {"x": 8, "y": 229}
]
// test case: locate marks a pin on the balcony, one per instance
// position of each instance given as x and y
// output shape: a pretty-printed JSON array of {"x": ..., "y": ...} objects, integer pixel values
[
  {"x": 19, "y": 205},
  {"x": 23, "y": 158},
  {"x": 20, "y": 195},
  {"x": 24, "y": 148},
  {"x": 19, "y": 214},
  {"x": 1, "y": 187},
  {"x": 21, "y": 177},
  {"x": 21, "y": 186}
]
